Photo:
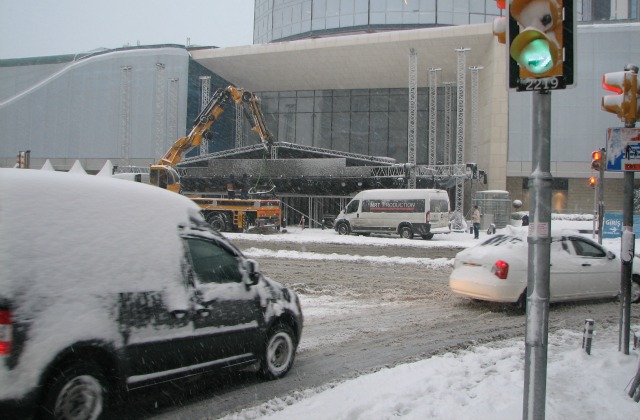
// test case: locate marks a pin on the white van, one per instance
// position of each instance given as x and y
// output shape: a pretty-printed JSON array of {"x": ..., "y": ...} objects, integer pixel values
[{"x": 411, "y": 212}]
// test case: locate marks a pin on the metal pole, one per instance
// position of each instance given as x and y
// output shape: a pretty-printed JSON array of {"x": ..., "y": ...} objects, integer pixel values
[
  {"x": 539, "y": 240},
  {"x": 627, "y": 263},
  {"x": 603, "y": 164}
]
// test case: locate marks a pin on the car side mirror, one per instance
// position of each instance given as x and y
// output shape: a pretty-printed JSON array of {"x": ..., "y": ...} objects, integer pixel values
[
  {"x": 611, "y": 255},
  {"x": 254, "y": 272}
]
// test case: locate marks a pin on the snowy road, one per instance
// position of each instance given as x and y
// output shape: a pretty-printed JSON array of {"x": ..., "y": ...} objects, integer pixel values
[{"x": 361, "y": 313}]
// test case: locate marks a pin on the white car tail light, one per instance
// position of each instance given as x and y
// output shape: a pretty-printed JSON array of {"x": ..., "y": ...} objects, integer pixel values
[
  {"x": 428, "y": 217},
  {"x": 6, "y": 330},
  {"x": 501, "y": 269}
]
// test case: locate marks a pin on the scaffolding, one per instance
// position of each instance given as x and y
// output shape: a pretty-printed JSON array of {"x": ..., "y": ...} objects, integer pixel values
[
  {"x": 433, "y": 114},
  {"x": 458, "y": 217},
  {"x": 413, "y": 110},
  {"x": 205, "y": 89}
]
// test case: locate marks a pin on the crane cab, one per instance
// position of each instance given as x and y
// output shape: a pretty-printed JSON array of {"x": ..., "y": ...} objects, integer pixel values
[{"x": 164, "y": 177}]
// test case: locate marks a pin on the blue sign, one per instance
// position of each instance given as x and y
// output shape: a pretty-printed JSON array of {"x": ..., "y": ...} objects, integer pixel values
[
  {"x": 623, "y": 149},
  {"x": 613, "y": 225}
]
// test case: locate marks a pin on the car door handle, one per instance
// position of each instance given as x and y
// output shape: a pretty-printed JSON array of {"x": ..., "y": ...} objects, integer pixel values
[
  {"x": 586, "y": 265},
  {"x": 203, "y": 312},
  {"x": 179, "y": 313}
]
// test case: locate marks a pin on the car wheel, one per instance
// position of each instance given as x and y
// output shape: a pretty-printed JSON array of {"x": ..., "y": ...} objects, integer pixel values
[
  {"x": 217, "y": 222},
  {"x": 79, "y": 391},
  {"x": 406, "y": 233},
  {"x": 343, "y": 229},
  {"x": 635, "y": 289},
  {"x": 428, "y": 236},
  {"x": 521, "y": 304},
  {"x": 279, "y": 352}
]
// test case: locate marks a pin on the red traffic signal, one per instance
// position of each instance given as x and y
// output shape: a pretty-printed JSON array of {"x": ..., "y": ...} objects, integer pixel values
[
  {"x": 593, "y": 181},
  {"x": 596, "y": 160},
  {"x": 625, "y": 101}
]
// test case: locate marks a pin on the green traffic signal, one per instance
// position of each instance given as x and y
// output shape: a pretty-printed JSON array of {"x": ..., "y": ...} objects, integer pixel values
[{"x": 536, "y": 56}]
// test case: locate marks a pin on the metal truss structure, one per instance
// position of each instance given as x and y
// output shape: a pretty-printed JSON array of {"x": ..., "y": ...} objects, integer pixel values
[
  {"x": 433, "y": 114},
  {"x": 413, "y": 110},
  {"x": 475, "y": 70},
  {"x": 458, "y": 219},
  {"x": 205, "y": 89},
  {"x": 448, "y": 130}
]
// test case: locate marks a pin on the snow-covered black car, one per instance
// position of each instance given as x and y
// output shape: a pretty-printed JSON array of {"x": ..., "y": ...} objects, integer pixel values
[{"x": 108, "y": 285}]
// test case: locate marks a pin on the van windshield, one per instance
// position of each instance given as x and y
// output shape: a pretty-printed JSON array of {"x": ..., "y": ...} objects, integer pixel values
[{"x": 352, "y": 207}]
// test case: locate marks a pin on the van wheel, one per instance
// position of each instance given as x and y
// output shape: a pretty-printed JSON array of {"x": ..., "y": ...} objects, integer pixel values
[
  {"x": 406, "y": 232},
  {"x": 428, "y": 236},
  {"x": 217, "y": 222},
  {"x": 343, "y": 229},
  {"x": 279, "y": 352},
  {"x": 79, "y": 391}
]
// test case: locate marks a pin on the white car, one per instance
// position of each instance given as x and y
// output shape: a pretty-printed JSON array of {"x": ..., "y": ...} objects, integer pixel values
[{"x": 496, "y": 270}]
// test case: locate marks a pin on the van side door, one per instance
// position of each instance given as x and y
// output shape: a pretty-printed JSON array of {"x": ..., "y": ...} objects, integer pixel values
[
  {"x": 228, "y": 319},
  {"x": 352, "y": 214}
]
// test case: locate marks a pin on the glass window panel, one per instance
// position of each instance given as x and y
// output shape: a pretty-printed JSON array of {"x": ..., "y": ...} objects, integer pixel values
[
  {"x": 318, "y": 24},
  {"x": 304, "y": 129},
  {"x": 213, "y": 264},
  {"x": 445, "y": 6},
  {"x": 411, "y": 5},
  {"x": 287, "y": 105},
  {"x": 428, "y": 5},
  {"x": 492, "y": 8},
  {"x": 460, "y": 18},
  {"x": 296, "y": 13},
  {"x": 360, "y": 103},
  {"x": 379, "y": 103},
  {"x": 477, "y": 6},
  {"x": 346, "y": 21},
  {"x": 333, "y": 8},
  {"x": 286, "y": 31},
  {"x": 277, "y": 18},
  {"x": 445, "y": 18},
  {"x": 304, "y": 93},
  {"x": 323, "y": 104},
  {"x": 361, "y": 19},
  {"x": 398, "y": 122},
  {"x": 410, "y": 18},
  {"x": 378, "y": 5},
  {"x": 319, "y": 9},
  {"x": 377, "y": 18},
  {"x": 286, "y": 127},
  {"x": 305, "y": 26},
  {"x": 332, "y": 22},
  {"x": 480, "y": 18},
  {"x": 287, "y": 15},
  {"x": 340, "y": 131},
  {"x": 269, "y": 105},
  {"x": 361, "y": 6},
  {"x": 341, "y": 103},
  {"x": 463, "y": 5},
  {"x": 395, "y": 5},
  {"x": 322, "y": 130},
  {"x": 305, "y": 105},
  {"x": 360, "y": 132},
  {"x": 379, "y": 133},
  {"x": 306, "y": 11},
  {"x": 398, "y": 103},
  {"x": 346, "y": 7},
  {"x": 427, "y": 17},
  {"x": 394, "y": 18}
]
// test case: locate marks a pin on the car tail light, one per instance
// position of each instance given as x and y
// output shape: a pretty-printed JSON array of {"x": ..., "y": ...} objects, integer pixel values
[
  {"x": 428, "y": 217},
  {"x": 501, "y": 269},
  {"x": 6, "y": 329}
]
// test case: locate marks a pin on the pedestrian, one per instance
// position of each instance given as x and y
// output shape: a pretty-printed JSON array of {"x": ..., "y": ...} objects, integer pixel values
[
  {"x": 525, "y": 220},
  {"x": 231, "y": 187},
  {"x": 475, "y": 219},
  {"x": 244, "y": 186}
]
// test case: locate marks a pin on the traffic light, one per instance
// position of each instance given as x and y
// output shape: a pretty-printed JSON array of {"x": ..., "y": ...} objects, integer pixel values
[
  {"x": 625, "y": 102},
  {"x": 541, "y": 44},
  {"x": 593, "y": 181},
  {"x": 500, "y": 23},
  {"x": 596, "y": 160}
]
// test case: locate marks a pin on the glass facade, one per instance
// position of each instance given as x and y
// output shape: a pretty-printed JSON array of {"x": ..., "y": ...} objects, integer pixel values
[
  {"x": 276, "y": 20},
  {"x": 371, "y": 122}
]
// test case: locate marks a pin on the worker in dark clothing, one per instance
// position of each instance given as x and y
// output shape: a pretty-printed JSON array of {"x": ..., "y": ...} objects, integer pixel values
[{"x": 231, "y": 187}]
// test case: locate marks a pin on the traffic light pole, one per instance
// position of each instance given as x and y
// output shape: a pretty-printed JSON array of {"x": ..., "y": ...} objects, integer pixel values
[
  {"x": 538, "y": 274},
  {"x": 601, "y": 196}
]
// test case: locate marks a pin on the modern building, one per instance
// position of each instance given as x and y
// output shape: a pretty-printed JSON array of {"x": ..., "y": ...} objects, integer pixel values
[{"x": 335, "y": 82}]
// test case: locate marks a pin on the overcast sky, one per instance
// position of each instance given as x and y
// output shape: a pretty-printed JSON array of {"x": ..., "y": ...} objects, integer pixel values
[{"x": 32, "y": 28}]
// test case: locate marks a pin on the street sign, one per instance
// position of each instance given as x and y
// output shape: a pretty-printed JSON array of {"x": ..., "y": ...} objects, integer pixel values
[
  {"x": 612, "y": 227},
  {"x": 623, "y": 149}
]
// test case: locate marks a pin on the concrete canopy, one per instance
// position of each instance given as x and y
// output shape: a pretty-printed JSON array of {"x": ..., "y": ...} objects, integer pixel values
[{"x": 369, "y": 61}]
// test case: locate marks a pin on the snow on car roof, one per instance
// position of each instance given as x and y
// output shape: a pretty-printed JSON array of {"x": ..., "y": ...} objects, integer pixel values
[{"x": 68, "y": 231}]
